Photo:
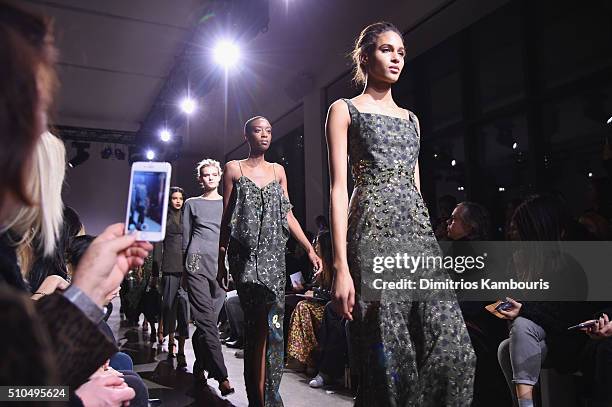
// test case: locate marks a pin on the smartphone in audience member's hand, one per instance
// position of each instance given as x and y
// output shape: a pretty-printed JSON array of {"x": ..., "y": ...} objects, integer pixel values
[
  {"x": 147, "y": 206},
  {"x": 499, "y": 306},
  {"x": 583, "y": 325}
]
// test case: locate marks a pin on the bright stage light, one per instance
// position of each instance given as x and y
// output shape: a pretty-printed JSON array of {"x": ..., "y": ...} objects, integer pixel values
[
  {"x": 150, "y": 155},
  {"x": 188, "y": 105},
  {"x": 454, "y": 162},
  {"x": 165, "y": 135},
  {"x": 609, "y": 120},
  {"x": 227, "y": 54}
]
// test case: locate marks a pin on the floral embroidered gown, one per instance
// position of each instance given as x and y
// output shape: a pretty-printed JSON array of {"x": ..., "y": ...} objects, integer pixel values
[
  {"x": 409, "y": 351},
  {"x": 256, "y": 256}
]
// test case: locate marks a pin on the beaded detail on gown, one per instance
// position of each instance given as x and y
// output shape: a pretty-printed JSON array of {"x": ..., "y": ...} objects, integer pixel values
[
  {"x": 256, "y": 256},
  {"x": 409, "y": 351}
]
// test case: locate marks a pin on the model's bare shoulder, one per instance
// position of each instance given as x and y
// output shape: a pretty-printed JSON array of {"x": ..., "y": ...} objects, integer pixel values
[{"x": 339, "y": 110}]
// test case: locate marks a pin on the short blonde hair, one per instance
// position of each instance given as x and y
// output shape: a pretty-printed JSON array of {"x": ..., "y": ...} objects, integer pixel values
[
  {"x": 208, "y": 162},
  {"x": 43, "y": 219}
]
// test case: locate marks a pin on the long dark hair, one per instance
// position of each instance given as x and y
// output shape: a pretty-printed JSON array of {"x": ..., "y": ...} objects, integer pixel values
[
  {"x": 28, "y": 81},
  {"x": 540, "y": 218},
  {"x": 324, "y": 250},
  {"x": 174, "y": 190},
  {"x": 364, "y": 45}
]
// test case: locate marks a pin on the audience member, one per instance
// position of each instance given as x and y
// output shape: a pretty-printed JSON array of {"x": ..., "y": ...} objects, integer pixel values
[
  {"x": 65, "y": 344},
  {"x": 538, "y": 334}
]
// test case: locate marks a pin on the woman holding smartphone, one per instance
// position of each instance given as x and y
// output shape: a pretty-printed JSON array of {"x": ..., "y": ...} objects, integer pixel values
[
  {"x": 410, "y": 351},
  {"x": 201, "y": 220},
  {"x": 257, "y": 220}
]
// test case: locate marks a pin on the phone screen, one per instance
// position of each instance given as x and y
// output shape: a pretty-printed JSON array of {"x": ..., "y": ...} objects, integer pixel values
[{"x": 147, "y": 201}]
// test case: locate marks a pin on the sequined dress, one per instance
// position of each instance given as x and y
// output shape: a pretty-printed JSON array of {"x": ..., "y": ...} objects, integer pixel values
[
  {"x": 256, "y": 256},
  {"x": 408, "y": 352}
]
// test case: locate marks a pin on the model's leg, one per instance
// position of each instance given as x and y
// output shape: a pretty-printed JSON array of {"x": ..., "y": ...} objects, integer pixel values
[
  {"x": 204, "y": 316},
  {"x": 264, "y": 347},
  {"x": 255, "y": 334},
  {"x": 274, "y": 354}
]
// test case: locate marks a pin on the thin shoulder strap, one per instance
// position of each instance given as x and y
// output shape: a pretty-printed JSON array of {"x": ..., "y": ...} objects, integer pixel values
[
  {"x": 240, "y": 166},
  {"x": 415, "y": 120},
  {"x": 273, "y": 169},
  {"x": 353, "y": 112}
]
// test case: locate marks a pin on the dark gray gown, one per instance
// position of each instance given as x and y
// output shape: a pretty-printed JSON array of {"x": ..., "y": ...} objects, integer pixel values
[
  {"x": 256, "y": 256},
  {"x": 409, "y": 351}
]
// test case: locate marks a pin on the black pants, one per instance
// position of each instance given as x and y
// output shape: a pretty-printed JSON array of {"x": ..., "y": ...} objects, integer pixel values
[
  {"x": 174, "y": 308},
  {"x": 597, "y": 368},
  {"x": 333, "y": 343},
  {"x": 235, "y": 315},
  {"x": 206, "y": 298}
]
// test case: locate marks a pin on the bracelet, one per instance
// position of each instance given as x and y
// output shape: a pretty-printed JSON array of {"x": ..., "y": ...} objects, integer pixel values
[{"x": 40, "y": 293}]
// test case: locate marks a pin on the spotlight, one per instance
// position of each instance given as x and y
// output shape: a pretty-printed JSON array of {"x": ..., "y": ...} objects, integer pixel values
[
  {"x": 453, "y": 163},
  {"x": 119, "y": 154},
  {"x": 81, "y": 155},
  {"x": 226, "y": 54},
  {"x": 501, "y": 189},
  {"x": 106, "y": 153},
  {"x": 150, "y": 155},
  {"x": 590, "y": 175},
  {"x": 609, "y": 120},
  {"x": 188, "y": 105},
  {"x": 460, "y": 188},
  {"x": 165, "y": 135},
  {"x": 515, "y": 145}
]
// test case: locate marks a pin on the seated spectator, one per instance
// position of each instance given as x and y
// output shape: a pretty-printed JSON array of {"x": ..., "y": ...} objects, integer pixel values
[
  {"x": 538, "y": 335},
  {"x": 63, "y": 344},
  {"x": 471, "y": 222},
  {"x": 333, "y": 349},
  {"x": 120, "y": 363},
  {"x": 235, "y": 319},
  {"x": 308, "y": 313},
  {"x": 597, "y": 360}
]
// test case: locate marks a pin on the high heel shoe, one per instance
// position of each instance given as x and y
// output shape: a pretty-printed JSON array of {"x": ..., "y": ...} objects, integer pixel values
[{"x": 225, "y": 388}]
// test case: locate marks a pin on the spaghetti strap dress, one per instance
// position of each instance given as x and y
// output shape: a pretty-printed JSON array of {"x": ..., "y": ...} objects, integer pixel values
[
  {"x": 256, "y": 255},
  {"x": 409, "y": 351}
]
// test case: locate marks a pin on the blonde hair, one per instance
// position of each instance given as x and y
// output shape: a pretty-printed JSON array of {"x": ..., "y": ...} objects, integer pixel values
[
  {"x": 208, "y": 162},
  {"x": 43, "y": 219}
]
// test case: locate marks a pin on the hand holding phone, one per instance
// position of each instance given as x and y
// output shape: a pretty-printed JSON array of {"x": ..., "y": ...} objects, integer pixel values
[
  {"x": 508, "y": 309},
  {"x": 147, "y": 207},
  {"x": 598, "y": 328},
  {"x": 583, "y": 325}
]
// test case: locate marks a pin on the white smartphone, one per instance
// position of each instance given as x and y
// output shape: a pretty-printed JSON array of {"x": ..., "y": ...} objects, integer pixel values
[{"x": 147, "y": 206}]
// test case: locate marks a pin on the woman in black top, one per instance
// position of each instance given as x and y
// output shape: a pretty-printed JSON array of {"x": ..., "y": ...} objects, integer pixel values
[{"x": 168, "y": 261}]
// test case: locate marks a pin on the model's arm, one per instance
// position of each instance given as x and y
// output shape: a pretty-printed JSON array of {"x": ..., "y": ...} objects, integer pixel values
[
  {"x": 229, "y": 173},
  {"x": 336, "y": 132},
  {"x": 294, "y": 225}
]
